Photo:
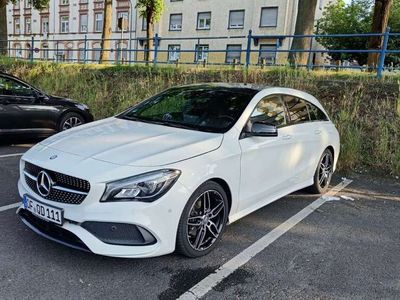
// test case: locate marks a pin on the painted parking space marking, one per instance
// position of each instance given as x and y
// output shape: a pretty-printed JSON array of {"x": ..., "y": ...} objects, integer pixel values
[
  {"x": 208, "y": 283},
  {"x": 10, "y": 206},
  {"x": 11, "y": 155}
]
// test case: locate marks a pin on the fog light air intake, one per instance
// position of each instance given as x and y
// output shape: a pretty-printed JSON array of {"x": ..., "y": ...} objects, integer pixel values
[{"x": 120, "y": 233}]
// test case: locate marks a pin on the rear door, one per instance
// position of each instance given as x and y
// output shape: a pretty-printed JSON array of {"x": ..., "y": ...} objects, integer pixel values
[
  {"x": 20, "y": 109},
  {"x": 305, "y": 139}
]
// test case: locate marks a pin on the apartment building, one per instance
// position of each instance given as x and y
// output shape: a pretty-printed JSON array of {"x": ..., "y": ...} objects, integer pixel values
[
  {"x": 192, "y": 31},
  {"x": 60, "y": 31}
]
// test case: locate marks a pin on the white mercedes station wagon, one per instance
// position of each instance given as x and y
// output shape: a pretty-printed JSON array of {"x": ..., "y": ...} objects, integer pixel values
[{"x": 169, "y": 173}]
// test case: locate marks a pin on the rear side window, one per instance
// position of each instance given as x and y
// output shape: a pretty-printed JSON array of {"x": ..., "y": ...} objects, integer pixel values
[
  {"x": 270, "y": 110},
  {"x": 11, "y": 87},
  {"x": 297, "y": 108},
  {"x": 316, "y": 114}
]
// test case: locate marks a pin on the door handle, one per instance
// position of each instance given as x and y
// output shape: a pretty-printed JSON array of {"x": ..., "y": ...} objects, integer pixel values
[
  {"x": 287, "y": 137},
  {"x": 317, "y": 131}
]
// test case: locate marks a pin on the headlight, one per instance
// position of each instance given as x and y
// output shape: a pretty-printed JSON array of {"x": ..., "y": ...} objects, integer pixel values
[{"x": 146, "y": 187}]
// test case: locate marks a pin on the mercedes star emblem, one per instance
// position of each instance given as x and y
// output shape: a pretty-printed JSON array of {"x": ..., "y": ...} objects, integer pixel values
[{"x": 44, "y": 183}]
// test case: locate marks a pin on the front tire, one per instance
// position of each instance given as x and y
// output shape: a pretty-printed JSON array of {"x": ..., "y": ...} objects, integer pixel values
[
  {"x": 323, "y": 173},
  {"x": 70, "y": 120},
  {"x": 203, "y": 220}
]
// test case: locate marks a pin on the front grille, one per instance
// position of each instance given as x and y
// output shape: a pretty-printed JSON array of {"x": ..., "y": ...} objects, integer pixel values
[{"x": 65, "y": 189}]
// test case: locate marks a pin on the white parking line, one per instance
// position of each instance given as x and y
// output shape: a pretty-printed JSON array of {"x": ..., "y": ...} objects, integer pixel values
[
  {"x": 206, "y": 285},
  {"x": 11, "y": 155},
  {"x": 10, "y": 206}
]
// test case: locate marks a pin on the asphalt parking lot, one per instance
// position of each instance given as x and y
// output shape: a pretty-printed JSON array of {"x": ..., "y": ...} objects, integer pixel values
[{"x": 343, "y": 249}]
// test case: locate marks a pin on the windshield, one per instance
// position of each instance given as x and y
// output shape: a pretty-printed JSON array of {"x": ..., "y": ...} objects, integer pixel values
[{"x": 204, "y": 108}]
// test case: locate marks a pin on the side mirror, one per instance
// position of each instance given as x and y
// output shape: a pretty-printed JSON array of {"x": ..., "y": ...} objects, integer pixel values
[
  {"x": 40, "y": 97},
  {"x": 262, "y": 129}
]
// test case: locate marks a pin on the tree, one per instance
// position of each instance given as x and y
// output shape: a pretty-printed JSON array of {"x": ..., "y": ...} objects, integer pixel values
[
  {"x": 304, "y": 26},
  {"x": 355, "y": 18},
  {"x": 151, "y": 10},
  {"x": 379, "y": 23},
  {"x": 339, "y": 18},
  {"x": 106, "y": 33},
  {"x": 38, "y": 4}
]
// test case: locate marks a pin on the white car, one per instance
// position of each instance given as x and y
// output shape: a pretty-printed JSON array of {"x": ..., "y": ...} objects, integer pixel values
[{"x": 169, "y": 173}]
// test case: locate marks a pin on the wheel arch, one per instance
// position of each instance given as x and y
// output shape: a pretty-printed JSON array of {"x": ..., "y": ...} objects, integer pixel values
[{"x": 226, "y": 188}]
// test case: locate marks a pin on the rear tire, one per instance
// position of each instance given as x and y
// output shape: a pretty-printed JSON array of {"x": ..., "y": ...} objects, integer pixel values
[
  {"x": 70, "y": 120},
  {"x": 203, "y": 221},
  {"x": 323, "y": 173}
]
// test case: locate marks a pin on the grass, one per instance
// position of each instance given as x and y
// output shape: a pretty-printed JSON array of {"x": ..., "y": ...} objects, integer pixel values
[{"x": 365, "y": 110}]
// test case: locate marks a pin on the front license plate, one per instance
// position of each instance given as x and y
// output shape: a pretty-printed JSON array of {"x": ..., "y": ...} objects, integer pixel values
[{"x": 43, "y": 211}]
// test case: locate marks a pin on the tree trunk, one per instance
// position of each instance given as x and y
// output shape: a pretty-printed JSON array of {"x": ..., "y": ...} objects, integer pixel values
[
  {"x": 149, "y": 35},
  {"x": 379, "y": 24},
  {"x": 106, "y": 34},
  {"x": 304, "y": 25},
  {"x": 3, "y": 27}
]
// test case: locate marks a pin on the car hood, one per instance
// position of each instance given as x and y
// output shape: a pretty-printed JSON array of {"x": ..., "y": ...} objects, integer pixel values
[{"x": 133, "y": 143}]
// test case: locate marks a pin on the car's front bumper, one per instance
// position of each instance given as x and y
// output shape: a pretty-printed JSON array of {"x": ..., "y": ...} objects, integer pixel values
[{"x": 159, "y": 218}]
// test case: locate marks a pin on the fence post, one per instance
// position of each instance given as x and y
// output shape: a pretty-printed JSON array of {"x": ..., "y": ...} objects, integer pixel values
[
  {"x": 85, "y": 50},
  {"x": 248, "y": 49},
  {"x": 310, "y": 60},
  {"x": 57, "y": 52},
  {"x": 9, "y": 48},
  {"x": 382, "y": 55},
  {"x": 32, "y": 47},
  {"x": 156, "y": 39}
]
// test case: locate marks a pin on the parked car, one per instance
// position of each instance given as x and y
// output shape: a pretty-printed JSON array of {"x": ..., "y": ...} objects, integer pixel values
[
  {"x": 28, "y": 110},
  {"x": 169, "y": 173}
]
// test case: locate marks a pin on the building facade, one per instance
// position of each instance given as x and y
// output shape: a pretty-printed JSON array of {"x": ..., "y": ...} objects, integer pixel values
[{"x": 191, "y": 31}]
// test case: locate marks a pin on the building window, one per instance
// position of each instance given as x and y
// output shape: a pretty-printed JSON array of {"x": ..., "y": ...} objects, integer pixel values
[
  {"x": 125, "y": 18},
  {"x": 233, "y": 52},
  {"x": 269, "y": 17},
  {"x": 175, "y": 22},
  {"x": 201, "y": 52},
  {"x": 28, "y": 27},
  {"x": 144, "y": 24},
  {"x": 45, "y": 51},
  {"x": 121, "y": 52},
  {"x": 16, "y": 4},
  {"x": 96, "y": 52},
  {"x": 17, "y": 26},
  {"x": 83, "y": 1},
  {"x": 204, "y": 20},
  {"x": 18, "y": 50},
  {"x": 64, "y": 24},
  {"x": 174, "y": 52},
  {"x": 28, "y": 3},
  {"x": 64, "y": 2},
  {"x": 266, "y": 55},
  {"x": 236, "y": 19},
  {"x": 81, "y": 53},
  {"x": 98, "y": 22},
  {"x": 83, "y": 23},
  {"x": 45, "y": 25}
]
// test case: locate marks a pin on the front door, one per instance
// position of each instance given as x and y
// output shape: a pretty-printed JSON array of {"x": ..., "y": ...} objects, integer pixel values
[{"x": 266, "y": 161}]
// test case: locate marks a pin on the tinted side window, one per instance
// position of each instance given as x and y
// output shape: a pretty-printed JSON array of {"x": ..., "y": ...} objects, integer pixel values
[
  {"x": 316, "y": 114},
  {"x": 298, "y": 111},
  {"x": 11, "y": 87},
  {"x": 270, "y": 110}
]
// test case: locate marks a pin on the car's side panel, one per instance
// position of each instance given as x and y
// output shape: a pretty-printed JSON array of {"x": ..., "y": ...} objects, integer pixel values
[{"x": 266, "y": 166}]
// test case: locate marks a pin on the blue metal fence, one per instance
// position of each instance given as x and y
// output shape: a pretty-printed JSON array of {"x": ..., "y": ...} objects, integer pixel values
[{"x": 84, "y": 51}]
